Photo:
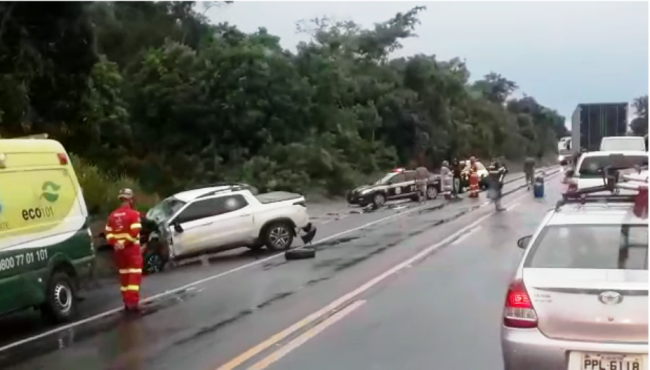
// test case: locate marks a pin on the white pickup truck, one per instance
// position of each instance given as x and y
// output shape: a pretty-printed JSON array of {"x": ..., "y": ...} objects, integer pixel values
[{"x": 218, "y": 218}]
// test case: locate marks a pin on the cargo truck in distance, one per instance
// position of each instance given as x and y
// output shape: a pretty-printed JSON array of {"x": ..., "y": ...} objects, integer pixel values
[
  {"x": 590, "y": 123},
  {"x": 603, "y": 127}
]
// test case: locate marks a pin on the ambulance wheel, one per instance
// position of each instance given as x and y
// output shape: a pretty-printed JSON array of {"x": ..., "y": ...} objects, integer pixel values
[{"x": 60, "y": 298}]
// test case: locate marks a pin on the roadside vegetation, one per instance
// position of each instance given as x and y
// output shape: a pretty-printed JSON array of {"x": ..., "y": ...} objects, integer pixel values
[{"x": 152, "y": 96}]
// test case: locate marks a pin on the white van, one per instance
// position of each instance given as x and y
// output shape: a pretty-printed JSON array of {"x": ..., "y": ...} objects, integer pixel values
[{"x": 617, "y": 143}]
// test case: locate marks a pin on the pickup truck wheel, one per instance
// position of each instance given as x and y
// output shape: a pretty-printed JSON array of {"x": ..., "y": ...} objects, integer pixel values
[
  {"x": 153, "y": 262},
  {"x": 278, "y": 236},
  {"x": 60, "y": 299},
  {"x": 432, "y": 192}
]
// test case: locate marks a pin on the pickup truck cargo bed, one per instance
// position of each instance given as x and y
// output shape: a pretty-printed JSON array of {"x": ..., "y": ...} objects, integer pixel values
[{"x": 276, "y": 196}]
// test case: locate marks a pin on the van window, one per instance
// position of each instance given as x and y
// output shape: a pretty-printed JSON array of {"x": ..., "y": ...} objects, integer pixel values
[
  {"x": 32, "y": 201},
  {"x": 590, "y": 166}
]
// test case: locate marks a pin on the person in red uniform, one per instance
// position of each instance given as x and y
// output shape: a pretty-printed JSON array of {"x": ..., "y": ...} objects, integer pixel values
[{"x": 123, "y": 234}]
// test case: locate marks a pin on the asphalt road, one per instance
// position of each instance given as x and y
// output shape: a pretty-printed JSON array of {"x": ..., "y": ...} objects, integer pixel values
[{"x": 246, "y": 297}]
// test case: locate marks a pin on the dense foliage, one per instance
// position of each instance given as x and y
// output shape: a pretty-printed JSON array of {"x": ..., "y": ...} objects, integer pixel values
[{"x": 154, "y": 91}]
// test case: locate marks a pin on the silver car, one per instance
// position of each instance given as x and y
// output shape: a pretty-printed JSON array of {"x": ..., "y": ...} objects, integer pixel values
[{"x": 579, "y": 297}]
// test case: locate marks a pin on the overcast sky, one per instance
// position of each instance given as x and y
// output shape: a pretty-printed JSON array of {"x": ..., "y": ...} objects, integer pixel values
[{"x": 561, "y": 53}]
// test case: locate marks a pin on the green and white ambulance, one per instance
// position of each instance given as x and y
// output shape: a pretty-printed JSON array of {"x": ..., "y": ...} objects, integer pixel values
[{"x": 45, "y": 243}]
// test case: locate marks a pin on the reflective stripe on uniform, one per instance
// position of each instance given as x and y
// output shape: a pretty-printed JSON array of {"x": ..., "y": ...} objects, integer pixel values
[
  {"x": 109, "y": 236},
  {"x": 130, "y": 287},
  {"x": 130, "y": 271},
  {"x": 124, "y": 236},
  {"x": 136, "y": 225}
]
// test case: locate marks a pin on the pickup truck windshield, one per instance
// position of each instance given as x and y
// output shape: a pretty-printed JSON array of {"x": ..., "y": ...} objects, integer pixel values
[{"x": 164, "y": 210}]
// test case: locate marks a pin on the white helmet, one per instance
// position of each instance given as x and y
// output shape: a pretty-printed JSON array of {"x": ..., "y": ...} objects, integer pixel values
[{"x": 126, "y": 194}]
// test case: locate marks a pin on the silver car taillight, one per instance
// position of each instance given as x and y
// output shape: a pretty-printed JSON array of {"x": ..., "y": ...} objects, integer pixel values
[{"x": 519, "y": 311}]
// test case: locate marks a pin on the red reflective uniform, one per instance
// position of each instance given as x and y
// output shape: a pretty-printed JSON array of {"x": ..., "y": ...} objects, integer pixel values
[{"x": 123, "y": 229}]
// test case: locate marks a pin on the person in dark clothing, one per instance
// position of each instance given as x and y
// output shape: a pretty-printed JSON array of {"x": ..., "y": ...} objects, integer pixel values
[
  {"x": 456, "y": 170},
  {"x": 497, "y": 173},
  {"x": 529, "y": 171}
]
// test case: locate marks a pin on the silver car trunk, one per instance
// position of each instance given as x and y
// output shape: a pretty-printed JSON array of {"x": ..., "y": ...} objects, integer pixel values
[{"x": 589, "y": 304}]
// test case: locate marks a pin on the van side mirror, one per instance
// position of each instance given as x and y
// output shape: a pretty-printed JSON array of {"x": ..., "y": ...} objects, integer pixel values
[
  {"x": 570, "y": 173},
  {"x": 523, "y": 242},
  {"x": 177, "y": 227},
  {"x": 564, "y": 162}
]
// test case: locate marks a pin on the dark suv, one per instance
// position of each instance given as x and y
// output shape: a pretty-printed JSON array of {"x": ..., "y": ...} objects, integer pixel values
[{"x": 397, "y": 184}]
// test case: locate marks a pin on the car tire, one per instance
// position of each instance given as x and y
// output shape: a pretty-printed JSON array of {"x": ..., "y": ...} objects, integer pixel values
[
  {"x": 153, "y": 263},
  {"x": 60, "y": 298},
  {"x": 278, "y": 236},
  {"x": 378, "y": 200},
  {"x": 432, "y": 192},
  {"x": 300, "y": 254}
]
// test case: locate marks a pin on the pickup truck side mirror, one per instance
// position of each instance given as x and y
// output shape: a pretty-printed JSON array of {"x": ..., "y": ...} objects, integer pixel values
[
  {"x": 177, "y": 227},
  {"x": 523, "y": 242}
]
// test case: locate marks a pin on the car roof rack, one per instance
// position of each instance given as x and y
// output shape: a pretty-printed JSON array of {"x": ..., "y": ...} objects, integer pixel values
[
  {"x": 631, "y": 178},
  {"x": 217, "y": 184},
  {"x": 230, "y": 187}
]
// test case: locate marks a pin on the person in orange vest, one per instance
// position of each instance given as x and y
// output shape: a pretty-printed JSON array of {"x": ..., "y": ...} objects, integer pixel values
[
  {"x": 123, "y": 234},
  {"x": 473, "y": 178}
]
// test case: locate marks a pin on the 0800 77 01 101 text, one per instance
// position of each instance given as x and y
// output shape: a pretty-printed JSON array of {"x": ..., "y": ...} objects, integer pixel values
[{"x": 23, "y": 259}]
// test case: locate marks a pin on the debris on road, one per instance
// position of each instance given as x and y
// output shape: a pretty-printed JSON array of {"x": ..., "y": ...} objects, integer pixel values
[{"x": 299, "y": 254}]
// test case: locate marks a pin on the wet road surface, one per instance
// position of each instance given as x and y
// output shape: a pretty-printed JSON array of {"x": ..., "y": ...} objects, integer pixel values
[
  {"x": 209, "y": 323},
  {"x": 443, "y": 313}
]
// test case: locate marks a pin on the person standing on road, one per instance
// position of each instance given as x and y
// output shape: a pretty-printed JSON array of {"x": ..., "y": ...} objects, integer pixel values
[
  {"x": 497, "y": 173},
  {"x": 445, "y": 179},
  {"x": 123, "y": 234},
  {"x": 529, "y": 171},
  {"x": 456, "y": 170},
  {"x": 421, "y": 179}
]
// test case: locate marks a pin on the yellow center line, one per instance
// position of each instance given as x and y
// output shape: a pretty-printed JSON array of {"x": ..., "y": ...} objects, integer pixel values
[{"x": 300, "y": 340}]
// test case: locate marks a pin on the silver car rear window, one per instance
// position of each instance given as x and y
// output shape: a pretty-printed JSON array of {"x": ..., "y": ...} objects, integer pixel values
[{"x": 591, "y": 247}]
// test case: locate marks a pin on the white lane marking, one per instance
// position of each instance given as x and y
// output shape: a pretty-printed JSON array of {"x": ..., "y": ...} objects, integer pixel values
[
  {"x": 304, "y": 337},
  {"x": 245, "y": 356},
  {"x": 201, "y": 281},
  {"x": 465, "y": 236}
]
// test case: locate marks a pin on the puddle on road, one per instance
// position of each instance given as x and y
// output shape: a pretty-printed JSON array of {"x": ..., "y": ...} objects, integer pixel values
[{"x": 79, "y": 333}]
